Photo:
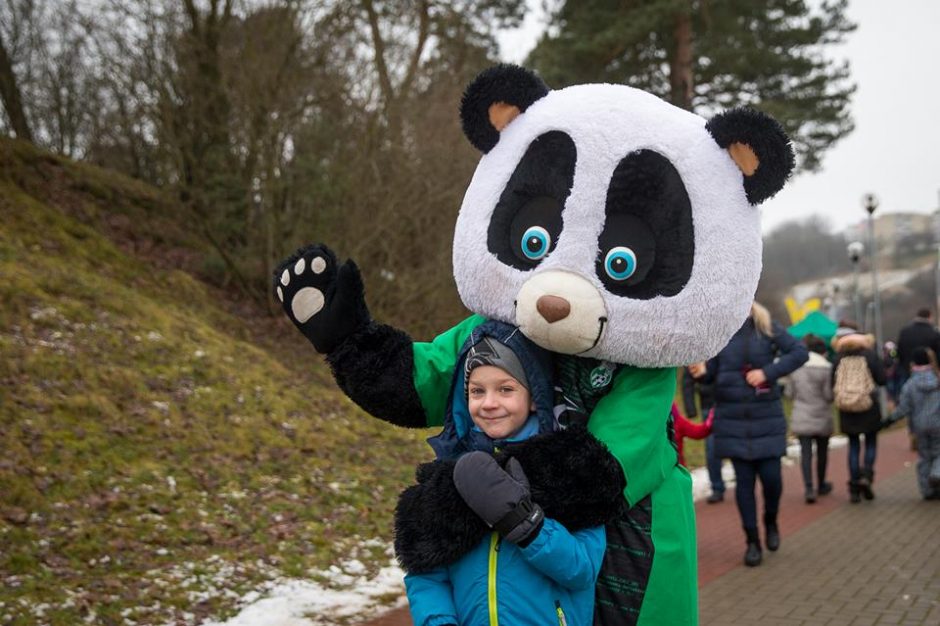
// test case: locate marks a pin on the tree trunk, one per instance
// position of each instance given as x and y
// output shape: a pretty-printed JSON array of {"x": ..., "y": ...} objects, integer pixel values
[
  {"x": 680, "y": 62},
  {"x": 12, "y": 100},
  {"x": 392, "y": 98}
]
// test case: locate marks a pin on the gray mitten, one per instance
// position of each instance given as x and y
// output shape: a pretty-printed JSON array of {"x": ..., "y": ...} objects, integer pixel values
[{"x": 500, "y": 497}]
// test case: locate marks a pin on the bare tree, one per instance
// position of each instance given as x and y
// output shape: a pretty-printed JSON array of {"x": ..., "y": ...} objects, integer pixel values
[{"x": 12, "y": 100}]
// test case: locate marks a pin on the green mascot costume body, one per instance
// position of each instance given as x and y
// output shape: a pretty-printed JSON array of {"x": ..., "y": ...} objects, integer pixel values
[{"x": 618, "y": 232}]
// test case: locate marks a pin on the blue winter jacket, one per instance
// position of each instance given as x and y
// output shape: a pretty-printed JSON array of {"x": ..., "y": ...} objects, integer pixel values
[
  {"x": 920, "y": 403},
  {"x": 749, "y": 423},
  {"x": 551, "y": 580}
]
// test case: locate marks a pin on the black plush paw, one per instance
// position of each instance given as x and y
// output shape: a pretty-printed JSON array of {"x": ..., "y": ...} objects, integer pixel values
[{"x": 325, "y": 301}]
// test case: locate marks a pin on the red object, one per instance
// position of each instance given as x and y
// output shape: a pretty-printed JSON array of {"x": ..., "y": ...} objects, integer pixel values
[{"x": 686, "y": 428}]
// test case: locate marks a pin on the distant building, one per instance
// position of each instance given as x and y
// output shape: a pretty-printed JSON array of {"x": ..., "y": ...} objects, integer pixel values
[{"x": 892, "y": 228}]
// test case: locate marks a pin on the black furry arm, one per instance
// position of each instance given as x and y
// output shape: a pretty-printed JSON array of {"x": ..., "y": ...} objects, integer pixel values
[
  {"x": 374, "y": 367},
  {"x": 433, "y": 525},
  {"x": 572, "y": 476}
]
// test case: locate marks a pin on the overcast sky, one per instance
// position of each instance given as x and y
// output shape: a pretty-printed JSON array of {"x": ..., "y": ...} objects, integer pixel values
[{"x": 894, "y": 151}]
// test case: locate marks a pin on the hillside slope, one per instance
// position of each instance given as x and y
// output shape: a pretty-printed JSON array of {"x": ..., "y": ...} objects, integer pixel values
[{"x": 156, "y": 461}]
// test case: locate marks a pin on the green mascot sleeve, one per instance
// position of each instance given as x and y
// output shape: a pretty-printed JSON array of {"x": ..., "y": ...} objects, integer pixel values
[{"x": 434, "y": 364}]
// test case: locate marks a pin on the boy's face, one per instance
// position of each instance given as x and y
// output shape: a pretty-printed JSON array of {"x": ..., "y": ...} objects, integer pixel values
[{"x": 498, "y": 403}]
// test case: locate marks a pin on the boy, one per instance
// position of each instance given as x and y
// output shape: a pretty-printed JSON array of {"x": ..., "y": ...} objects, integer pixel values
[
  {"x": 920, "y": 402},
  {"x": 531, "y": 570}
]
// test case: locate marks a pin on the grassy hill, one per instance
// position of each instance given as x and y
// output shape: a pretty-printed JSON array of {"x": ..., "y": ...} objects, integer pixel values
[{"x": 154, "y": 443}]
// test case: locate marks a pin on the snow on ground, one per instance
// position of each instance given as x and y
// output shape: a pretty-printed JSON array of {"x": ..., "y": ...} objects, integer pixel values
[{"x": 348, "y": 593}]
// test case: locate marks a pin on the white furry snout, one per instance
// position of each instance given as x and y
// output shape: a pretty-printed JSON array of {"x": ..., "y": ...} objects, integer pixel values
[{"x": 579, "y": 330}]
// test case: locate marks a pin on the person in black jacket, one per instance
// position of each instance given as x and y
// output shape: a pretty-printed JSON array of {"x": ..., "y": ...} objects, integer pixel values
[
  {"x": 919, "y": 333},
  {"x": 706, "y": 399},
  {"x": 848, "y": 342},
  {"x": 750, "y": 427}
]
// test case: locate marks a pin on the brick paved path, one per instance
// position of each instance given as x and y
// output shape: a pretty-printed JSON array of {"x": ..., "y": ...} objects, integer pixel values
[
  {"x": 872, "y": 563},
  {"x": 840, "y": 564}
]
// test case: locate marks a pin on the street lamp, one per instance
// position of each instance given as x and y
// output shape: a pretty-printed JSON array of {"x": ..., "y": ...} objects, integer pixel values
[
  {"x": 856, "y": 249},
  {"x": 870, "y": 203}
]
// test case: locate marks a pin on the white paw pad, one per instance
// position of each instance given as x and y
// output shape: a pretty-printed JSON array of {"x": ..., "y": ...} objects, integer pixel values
[
  {"x": 318, "y": 265},
  {"x": 280, "y": 293},
  {"x": 306, "y": 303},
  {"x": 285, "y": 278}
]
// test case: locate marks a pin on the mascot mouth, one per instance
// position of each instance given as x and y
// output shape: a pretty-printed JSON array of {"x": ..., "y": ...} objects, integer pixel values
[{"x": 602, "y": 321}]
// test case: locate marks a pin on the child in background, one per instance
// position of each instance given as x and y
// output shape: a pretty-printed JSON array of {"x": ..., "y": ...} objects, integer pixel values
[
  {"x": 706, "y": 398},
  {"x": 531, "y": 571},
  {"x": 810, "y": 388},
  {"x": 920, "y": 403},
  {"x": 686, "y": 428}
]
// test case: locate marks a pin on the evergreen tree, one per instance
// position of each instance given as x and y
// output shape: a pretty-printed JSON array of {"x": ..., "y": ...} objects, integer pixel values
[{"x": 709, "y": 55}]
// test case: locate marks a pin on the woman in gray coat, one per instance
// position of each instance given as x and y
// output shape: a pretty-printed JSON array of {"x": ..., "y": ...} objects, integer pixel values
[{"x": 810, "y": 388}]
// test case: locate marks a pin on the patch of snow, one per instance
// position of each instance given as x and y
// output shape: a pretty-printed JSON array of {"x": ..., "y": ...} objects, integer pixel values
[{"x": 307, "y": 603}]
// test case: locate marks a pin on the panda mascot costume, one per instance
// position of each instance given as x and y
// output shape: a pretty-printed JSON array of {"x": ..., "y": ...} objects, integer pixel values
[{"x": 621, "y": 234}]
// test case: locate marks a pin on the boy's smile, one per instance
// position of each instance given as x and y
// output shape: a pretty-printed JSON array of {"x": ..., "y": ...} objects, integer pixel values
[{"x": 498, "y": 403}]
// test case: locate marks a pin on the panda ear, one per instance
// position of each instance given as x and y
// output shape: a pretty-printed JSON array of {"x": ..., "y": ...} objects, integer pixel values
[
  {"x": 760, "y": 148},
  {"x": 494, "y": 99}
]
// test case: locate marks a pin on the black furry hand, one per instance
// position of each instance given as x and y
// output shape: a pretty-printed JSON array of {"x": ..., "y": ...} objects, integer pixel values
[{"x": 326, "y": 302}]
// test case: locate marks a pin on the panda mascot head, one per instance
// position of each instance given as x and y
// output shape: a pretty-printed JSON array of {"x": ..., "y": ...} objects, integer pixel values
[{"x": 607, "y": 223}]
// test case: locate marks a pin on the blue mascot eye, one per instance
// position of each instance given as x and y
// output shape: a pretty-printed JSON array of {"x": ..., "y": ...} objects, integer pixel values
[
  {"x": 536, "y": 243},
  {"x": 620, "y": 263}
]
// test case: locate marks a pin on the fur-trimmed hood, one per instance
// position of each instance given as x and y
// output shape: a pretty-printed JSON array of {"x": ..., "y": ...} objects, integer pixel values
[{"x": 856, "y": 342}]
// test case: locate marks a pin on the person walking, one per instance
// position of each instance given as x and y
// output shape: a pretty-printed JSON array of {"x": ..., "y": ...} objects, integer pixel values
[
  {"x": 857, "y": 373},
  {"x": 921, "y": 332},
  {"x": 920, "y": 403},
  {"x": 706, "y": 399},
  {"x": 810, "y": 388},
  {"x": 749, "y": 426}
]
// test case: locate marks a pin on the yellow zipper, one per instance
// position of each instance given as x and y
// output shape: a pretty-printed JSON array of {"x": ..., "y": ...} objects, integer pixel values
[{"x": 491, "y": 587}]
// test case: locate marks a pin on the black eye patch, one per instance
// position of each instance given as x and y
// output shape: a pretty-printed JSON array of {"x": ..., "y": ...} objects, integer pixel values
[
  {"x": 647, "y": 245},
  {"x": 527, "y": 220}
]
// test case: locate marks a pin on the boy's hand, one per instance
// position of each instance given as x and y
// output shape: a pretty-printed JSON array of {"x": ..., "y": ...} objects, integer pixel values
[
  {"x": 325, "y": 302},
  {"x": 500, "y": 497}
]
